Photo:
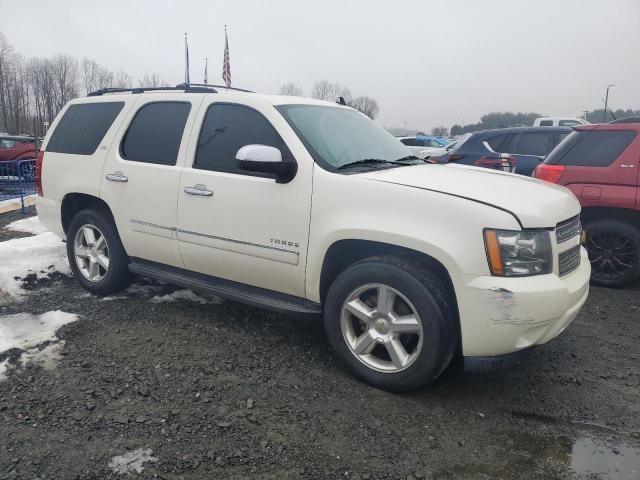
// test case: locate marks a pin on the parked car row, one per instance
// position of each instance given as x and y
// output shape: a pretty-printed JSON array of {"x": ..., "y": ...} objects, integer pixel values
[{"x": 599, "y": 163}]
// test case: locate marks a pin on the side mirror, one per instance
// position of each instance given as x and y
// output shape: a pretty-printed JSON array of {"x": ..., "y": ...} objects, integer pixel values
[{"x": 266, "y": 159}]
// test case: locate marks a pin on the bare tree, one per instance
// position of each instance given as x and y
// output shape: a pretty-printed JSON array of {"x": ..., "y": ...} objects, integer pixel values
[
  {"x": 325, "y": 90},
  {"x": 441, "y": 131},
  {"x": 94, "y": 77},
  {"x": 290, "y": 89},
  {"x": 64, "y": 69},
  {"x": 152, "y": 81},
  {"x": 367, "y": 105},
  {"x": 122, "y": 79}
]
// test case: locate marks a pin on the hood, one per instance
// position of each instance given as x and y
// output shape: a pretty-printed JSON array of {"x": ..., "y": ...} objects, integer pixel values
[{"x": 536, "y": 204}]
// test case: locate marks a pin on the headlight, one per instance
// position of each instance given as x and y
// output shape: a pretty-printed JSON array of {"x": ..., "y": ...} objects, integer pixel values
[{"x": 518, "y": 253}]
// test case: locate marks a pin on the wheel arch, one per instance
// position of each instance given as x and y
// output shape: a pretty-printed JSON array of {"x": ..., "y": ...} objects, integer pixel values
[
  {"x": 72, "y": 203},
  {"x": 590, "y": 214},
  {"x": 343, "y": 253}
]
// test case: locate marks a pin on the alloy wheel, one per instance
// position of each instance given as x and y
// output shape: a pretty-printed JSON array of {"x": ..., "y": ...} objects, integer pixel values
[
  {"x": 381, "y": 328},
  {"x": 91, "y": 253},
  {"x": 612, "y": 254}
]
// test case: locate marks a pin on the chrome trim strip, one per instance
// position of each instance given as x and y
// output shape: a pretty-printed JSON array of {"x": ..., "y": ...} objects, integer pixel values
[
  {"x": 239, "y": 242},
  {"x": 147, "y": 224}
]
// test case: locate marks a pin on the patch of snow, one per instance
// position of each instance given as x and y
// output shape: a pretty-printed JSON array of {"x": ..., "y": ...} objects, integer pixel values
[
  {"x": 131, "y": 462},
  {"x": 29, "y": 225},
  {"x": 47, "y": 358},
  {"x": 4, "y": 366},
  {"x": 28, "y": 332},
  {"x": 187, "y": 295},
  {"x": 15, "y": 202},
  {"x": 108, "y": 299},
  {"x": 41, "y": 254}
]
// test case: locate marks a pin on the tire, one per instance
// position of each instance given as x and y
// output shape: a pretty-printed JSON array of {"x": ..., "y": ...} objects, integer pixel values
[
  {"x": 97, "y": 279},
  {"x": 614, "y": 252},
  {"x": 414, "y": 291}
]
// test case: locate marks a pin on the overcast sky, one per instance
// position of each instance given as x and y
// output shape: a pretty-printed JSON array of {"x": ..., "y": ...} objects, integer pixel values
[{"x": 426, "y": 62}]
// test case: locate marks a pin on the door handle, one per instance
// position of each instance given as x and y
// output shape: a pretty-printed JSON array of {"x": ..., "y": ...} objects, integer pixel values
[
  {"x": 117, "y": 177},
  {"x": 198, "y": 190}
]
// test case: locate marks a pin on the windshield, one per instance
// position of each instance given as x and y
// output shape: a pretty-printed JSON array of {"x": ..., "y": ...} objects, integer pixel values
[{"x": 337, "y": 136}]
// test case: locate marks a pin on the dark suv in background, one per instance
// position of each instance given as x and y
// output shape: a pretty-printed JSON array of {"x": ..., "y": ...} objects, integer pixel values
[
  {"x": 523, "y": 148},
  {"x": 600, "y": 164}
]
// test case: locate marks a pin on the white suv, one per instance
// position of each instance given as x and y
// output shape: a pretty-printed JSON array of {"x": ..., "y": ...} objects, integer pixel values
[{"x": 309, "y": 206}]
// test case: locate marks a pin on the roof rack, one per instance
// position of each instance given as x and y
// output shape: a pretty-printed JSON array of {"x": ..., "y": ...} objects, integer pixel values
[
  {"x": 135, "y": 90},
  {"x": 208, "y": 85},
  {"x": 186, "y": 87}
]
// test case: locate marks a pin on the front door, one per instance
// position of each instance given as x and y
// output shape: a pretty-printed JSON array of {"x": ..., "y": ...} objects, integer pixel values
[
  {"x": 142, "y": 171},
  {"x": 237, "y": 225}
]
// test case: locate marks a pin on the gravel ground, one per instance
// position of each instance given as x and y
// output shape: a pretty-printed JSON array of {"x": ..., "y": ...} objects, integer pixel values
[{"x": 227, "y": 391}]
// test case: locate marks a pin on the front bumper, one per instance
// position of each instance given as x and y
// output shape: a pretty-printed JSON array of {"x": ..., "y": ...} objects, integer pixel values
[{"x": 501, "y": 315}]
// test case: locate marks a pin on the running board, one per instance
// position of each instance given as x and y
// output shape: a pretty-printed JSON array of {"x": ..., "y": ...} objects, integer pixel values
[{"x": 254, "y": 296}]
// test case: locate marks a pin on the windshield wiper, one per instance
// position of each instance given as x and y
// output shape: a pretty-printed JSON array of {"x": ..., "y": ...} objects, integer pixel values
[{"x": 366, "y": 161}]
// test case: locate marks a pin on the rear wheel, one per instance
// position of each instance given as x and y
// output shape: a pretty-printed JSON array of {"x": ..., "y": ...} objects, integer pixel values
[
  {"x": 389, "y": 322},
  {"x": 96, "y": 255},
  {"x": 614, "y": 252}
]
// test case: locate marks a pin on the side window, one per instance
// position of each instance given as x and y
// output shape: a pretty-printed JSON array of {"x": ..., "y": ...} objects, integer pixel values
[
  {"x": 568, "y": 123},
  {"x": 592, "y": 148},
  {"x": 155, "y": 133},
  {"x": 499, "y": 142},
  {"x": 410, "y": 142},
  {"x": 227, "y": 128},
  {"x": 83, "y": 127},
  {"x": 538, "y": 144},
  {"x": 547, "y": 123},
  {"x": 7, "y": 143}
]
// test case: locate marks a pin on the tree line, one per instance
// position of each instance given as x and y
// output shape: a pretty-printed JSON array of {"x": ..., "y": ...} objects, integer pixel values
[
  {"x": 331, "y": 91},
  {"x": 510, "y": 119},
  {"x": 34, "y": 90}
]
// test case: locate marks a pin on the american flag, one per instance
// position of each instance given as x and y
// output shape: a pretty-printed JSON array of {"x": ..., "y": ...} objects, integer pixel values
[{"x": 226, "y": 65}]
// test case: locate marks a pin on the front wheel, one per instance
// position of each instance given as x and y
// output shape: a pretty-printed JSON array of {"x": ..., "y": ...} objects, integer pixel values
[
  {"x": 390, "y": 323},
  {"x": 614, "y": 252},
  {"x": 96, "y": 255}
]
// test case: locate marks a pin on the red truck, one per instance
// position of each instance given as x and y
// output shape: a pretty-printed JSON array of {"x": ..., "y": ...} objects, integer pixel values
[{"x": 600, "y": 163}]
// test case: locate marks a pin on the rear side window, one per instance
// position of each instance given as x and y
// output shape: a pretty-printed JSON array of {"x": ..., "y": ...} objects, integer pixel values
[
  {"x": 568, "y": 123},
  {"x": 82, "y": 127},
  {"x": 498, "y": 142},
  {"x": 591, "y": 148},
  {"x": 539, "y": 144},
  {"x": 227, "y": 128},
  {"x": 546, "y": 123},
  {"x": 155, "y": 133}
]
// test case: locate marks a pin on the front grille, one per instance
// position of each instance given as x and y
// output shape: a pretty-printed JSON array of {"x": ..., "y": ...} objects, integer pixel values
[
  {"x": 569, "y": 260},
  {"x": 568, "y": 229}
]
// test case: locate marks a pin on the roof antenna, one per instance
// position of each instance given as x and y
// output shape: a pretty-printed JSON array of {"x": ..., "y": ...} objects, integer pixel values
[{"x": 341, "y": 101}]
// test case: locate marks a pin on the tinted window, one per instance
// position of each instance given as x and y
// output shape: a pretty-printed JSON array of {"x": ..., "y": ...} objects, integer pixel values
[
  {"x": 410, "y": 142},
  {"x": 155, "y": 133},
  {"x": 226, "y": 129},
  {"x": 83, "y": 127},
  {"x": 498, "y": 142},
  {"x": 591, "y": 148},
  {"x": 546, "y": 123},
  {"x": 539, "y": 144}
]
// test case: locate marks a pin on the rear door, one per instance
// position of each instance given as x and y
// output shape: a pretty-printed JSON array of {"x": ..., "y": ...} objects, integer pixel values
[{"x": 142, "y": 172}]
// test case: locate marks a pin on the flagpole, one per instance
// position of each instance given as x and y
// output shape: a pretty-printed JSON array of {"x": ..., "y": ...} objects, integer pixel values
[
  {"x": 187, "y": 80},
  {"x": 206, "y": 64}
]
